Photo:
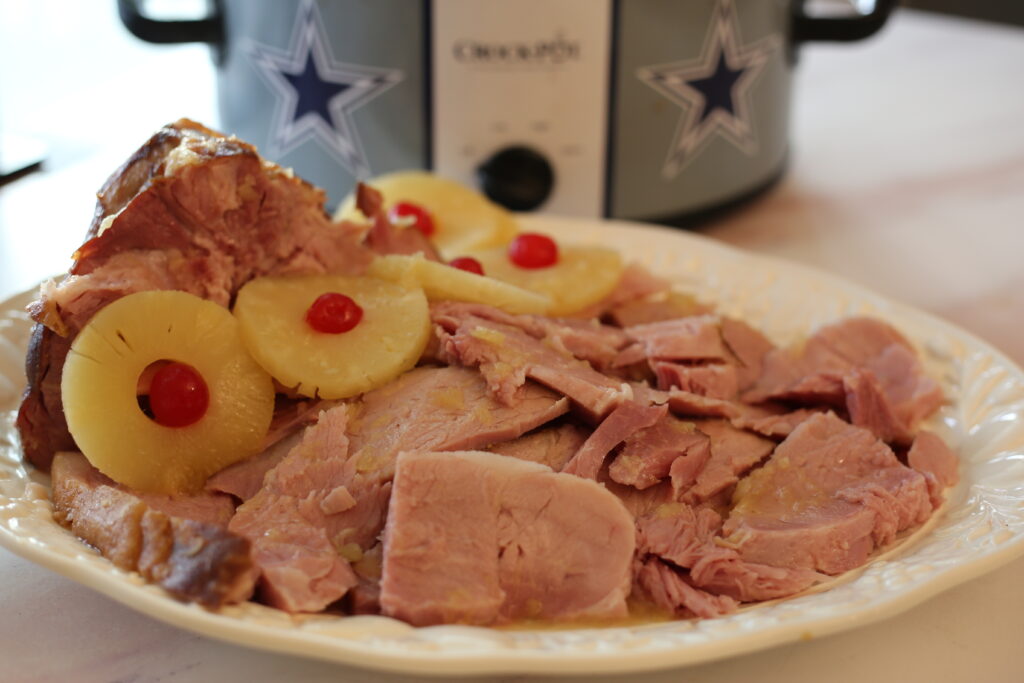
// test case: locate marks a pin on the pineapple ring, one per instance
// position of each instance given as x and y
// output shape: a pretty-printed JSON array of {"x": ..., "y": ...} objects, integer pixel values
[
  {"x": 444, "y": 283},
  {"x": 387, "y": 341},
  {"x": 100, "y": 378},
  {"x": 464, "y": 219},
  {"x": 581, "y": 277}
]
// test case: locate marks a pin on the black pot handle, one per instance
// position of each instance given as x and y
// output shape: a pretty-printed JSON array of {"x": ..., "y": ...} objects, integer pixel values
[
  {"x": 842, "y": 29},
  {"x": 209, "y": 29}
]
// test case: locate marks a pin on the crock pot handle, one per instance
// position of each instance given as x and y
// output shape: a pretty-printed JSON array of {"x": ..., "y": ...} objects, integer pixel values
[
  {"x": 209, "y": 29},
  {"x": 842, "y": 29}
]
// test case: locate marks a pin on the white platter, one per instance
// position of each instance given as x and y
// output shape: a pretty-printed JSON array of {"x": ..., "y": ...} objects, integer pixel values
[{"x": 981, "y": 527}]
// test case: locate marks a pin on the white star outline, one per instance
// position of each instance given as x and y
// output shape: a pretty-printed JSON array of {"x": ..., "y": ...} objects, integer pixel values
[
  {"x": 339, "y": 136},
  {"x": 672, "y": 80}
]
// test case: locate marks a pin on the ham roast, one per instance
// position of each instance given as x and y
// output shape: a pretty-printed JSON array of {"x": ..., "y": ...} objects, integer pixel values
[{"x": 646, "y": 450}]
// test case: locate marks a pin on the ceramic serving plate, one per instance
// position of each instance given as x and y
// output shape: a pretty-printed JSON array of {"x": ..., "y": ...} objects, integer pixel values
[{"x": 981, "y": 526}]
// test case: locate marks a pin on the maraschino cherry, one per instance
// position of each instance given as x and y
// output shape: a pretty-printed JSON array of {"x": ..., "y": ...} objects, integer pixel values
[
  {"x": 178, "y": 395},
  {"x": 532, "y": 250},
  {"x": 333, "y": 313},
  {"x": 468, "y": 264},
  {"x": 407, "y": 213}
]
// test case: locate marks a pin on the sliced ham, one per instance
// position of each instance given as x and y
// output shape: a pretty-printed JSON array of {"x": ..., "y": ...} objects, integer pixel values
[
  {"x": 678, "y": 533},
  {"x": 686, "y": 403},
  {"x": 869, "y": 407},
  {"x": 733, "y": 453},
  {"x": 693, "y": 338},
  {"x": 673, "y": 591},
  {"x": 190, "y": 558},
  {"x": 364, "y": 597},
  {"x": 713, "y": 380},
  {"x": 211, "y": 508},
  {"x": 244, "y": 479},
  {"x": 294, "y": 539},
  {"x": 552, "y": 446},
  {"x": 748, "y": 348},
  {"x": 686, "y": 537},
  {"x": 655, "y": 307},
  {"x": 816, "y": 503},
  {"x": 777, "y": 426},
  {"x": 930, "y": 456},
  {"x": 478, "y": 538},
  {"x": 627, "y": 419},
  {"x": 647, "y": 454},
  {"x": 724, "y": 572},
  {"x": 442, "y": 409},
  {"x": 585, "y": 339},
  {"x": 861, "y": 364},
  {"x": 427, "y": 408},
  {"x": 507, "y": 356}
]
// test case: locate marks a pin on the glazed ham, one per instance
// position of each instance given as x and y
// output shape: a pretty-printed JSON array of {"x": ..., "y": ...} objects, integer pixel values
[
  {"x": 477, "y": 538},
  {"x": 645, "y": 450},
  {"x": 191, "y": 210}
]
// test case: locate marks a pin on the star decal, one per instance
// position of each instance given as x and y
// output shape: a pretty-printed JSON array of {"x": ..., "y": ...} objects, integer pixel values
[
  {"x": 713, "y": 90},
  {"x": 316, "y": 94}
]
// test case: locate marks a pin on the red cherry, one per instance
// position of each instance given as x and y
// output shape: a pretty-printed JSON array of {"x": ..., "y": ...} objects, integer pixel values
[
  {"x": 531, "y": 250},
  {"x": 407, "y": 213},
  {"x": 178, "y": 395},
  {"x": 333, "y": 313},
  {"x": 467, "y": 263}
]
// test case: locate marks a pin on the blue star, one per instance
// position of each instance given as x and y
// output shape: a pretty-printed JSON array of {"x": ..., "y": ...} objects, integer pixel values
[
  {"x": 316, "y": 94},
  {"x": 717, "y": 88},
  {"x": 712, "y": 90}
]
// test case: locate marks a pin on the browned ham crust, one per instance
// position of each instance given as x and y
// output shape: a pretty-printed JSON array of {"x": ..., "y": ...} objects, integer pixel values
[
  {"x": 191, "y": 210},
  {"x": 193, "y": 560}
]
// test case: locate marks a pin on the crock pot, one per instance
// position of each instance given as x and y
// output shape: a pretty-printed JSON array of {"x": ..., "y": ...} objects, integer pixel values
[{"x": 655, "y": 110}]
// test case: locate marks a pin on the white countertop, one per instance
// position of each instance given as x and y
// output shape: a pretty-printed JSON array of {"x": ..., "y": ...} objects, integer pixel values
[{"x": 907, "y": 176}]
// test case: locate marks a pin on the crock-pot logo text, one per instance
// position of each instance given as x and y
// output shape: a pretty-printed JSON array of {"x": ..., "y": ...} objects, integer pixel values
[{"x": 543, "y": 52}]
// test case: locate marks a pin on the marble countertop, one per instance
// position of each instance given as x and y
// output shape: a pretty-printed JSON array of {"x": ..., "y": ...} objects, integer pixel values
[{"x": 907, "y": 176}]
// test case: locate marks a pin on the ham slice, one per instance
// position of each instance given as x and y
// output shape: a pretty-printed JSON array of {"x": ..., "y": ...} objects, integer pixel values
[
  {"x": 169, "y": 542},
  {"x": 715, "y": 380},
  {"x": 477, "y": 538},
  {"x": 693, "y": 338},
  {"x": 585, "y": 339},
  {"x": 294, "y": 535},
  {"x": 827, "y": 497},
  {"x": 685, "y": 537},
  {"x": 507, "y": 356},
  {"x": 427, "y": 408},
  {"x": 674, "y": 592},
  {"x": 930, "y": 456},
  {"x": 552, "y": 446},
  {"x": 777, "y": 426},
  {"x": 625, "y": 420},
  {"x": 442, "y": 409},
  {"x": 861, "y": 364},
  {"x": 733, "y": 453},
  {"x": 647, "y": 455}
]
